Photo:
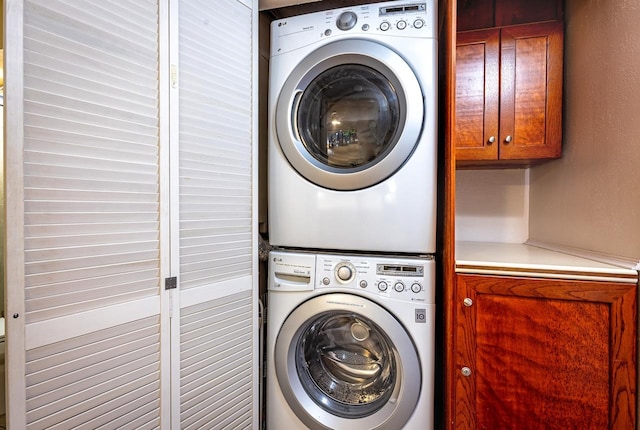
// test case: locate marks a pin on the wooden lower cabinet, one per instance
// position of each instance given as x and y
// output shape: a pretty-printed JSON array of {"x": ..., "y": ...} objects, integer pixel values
[{"x": 544, "y": 354}]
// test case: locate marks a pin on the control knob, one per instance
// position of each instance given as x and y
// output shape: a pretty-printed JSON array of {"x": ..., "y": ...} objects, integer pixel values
[
  {"x": 399, "y": 287},
  {"x": 382, "y": 286},
  {"x": 416, "y": 288},
  {"x": 345, "y": 272},
  {"x": 346, "y": 20}
]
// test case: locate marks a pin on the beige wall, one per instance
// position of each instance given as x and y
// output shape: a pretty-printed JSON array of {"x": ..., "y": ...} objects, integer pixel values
[
  {"x": 590, "y": 198},
  {"x": 492, "y": 205}
]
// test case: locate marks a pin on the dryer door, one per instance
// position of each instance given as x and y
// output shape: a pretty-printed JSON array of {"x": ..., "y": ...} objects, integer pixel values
[
  {"x": 350, "y": 114},
  {"x": 344, "y": 362}
]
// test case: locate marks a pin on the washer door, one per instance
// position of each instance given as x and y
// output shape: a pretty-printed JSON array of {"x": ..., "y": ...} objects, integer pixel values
[
  {"x": 350, "y": 114},
  {"x": 344, "y": 362}
]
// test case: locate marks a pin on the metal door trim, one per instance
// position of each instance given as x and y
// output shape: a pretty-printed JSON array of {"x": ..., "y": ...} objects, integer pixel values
[
  {"x": 351, "y": 51},
  {"x": 392, "y": 415}
]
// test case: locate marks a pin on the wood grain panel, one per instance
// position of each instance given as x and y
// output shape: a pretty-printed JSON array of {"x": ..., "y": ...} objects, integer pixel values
[
  {"x": 531, "y": 91},
  {"x": 541, "y": 364},
  {"x": 545, "y": 354},
  {"x": 465, "y": 346},
  {"x": 477, "y": 94},
  {"x": 475, "y": 14},
  {"x": 511, "y": 12},
  {"x": 444, "y": 384},
  {"x": 470, "y": 89}
]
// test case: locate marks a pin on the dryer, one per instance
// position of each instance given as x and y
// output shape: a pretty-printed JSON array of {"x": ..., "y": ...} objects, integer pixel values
[
  {"x": 350, "y": 342},
  {"x": 352, "y": 139}
]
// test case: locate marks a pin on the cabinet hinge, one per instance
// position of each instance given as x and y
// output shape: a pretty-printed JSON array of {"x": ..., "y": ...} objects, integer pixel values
[{"x": 170, "y": 283}]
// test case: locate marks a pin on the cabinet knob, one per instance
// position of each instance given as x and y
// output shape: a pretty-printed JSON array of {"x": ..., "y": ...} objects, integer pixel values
[
  {"x": 508, "y": 139},
  {"x": 465, "y": 371},
  {"x": 467, "y": 302},
  {"x": 491, "y": 140}
]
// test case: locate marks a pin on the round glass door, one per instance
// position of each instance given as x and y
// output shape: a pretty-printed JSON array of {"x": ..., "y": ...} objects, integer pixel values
[
  {"x": 338, "y": 367},
  {"x": 349, "y": 115},
  {"x": 347, "y": 365}
]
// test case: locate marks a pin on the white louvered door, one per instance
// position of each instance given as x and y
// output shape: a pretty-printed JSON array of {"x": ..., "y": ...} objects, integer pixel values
[
  {"x": 86, "y": 247},
  {"x": 217, "y": 261},
  {"x": 105, "y": 198}
]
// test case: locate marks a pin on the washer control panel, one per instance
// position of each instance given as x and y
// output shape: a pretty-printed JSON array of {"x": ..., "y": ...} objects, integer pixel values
[
  {"x": 411, "y": 279},
  {"x": 410, "y": 18}
]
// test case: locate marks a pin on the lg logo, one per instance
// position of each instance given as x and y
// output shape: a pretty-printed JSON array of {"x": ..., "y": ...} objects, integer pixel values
[{"x": 421, "y": 316}]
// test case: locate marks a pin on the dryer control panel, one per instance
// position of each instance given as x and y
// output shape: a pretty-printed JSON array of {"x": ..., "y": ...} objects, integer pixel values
[
  {"x": 410, "y": 279},
  {"x": 410, "y": 18}
]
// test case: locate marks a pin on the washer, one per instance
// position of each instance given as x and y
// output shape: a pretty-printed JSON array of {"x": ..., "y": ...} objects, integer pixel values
[
  {"x": 350, "y": 342},
  {"x": 352, "y": 139}
]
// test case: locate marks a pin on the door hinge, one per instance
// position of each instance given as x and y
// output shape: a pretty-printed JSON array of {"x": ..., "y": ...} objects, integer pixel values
[{"x": 170, "y": 283}]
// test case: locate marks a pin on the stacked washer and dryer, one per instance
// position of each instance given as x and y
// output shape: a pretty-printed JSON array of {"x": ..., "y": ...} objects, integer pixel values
[{"x": 352, "y": 215}]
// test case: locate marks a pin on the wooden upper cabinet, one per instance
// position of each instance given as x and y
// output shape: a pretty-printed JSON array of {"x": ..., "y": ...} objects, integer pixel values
[
  {"x": 509, "y": 94},
  {"x": 544, "y": 354}
]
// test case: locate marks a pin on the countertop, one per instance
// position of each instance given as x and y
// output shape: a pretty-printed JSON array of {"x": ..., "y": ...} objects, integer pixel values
[{"x": 535, "y": 261}]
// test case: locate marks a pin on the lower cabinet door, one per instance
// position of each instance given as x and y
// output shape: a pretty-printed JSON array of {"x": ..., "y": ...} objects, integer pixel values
[{"x": 544, "y": 354}]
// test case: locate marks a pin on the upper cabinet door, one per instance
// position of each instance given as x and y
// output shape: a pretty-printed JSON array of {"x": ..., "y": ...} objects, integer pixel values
[
  {"x": 531, "y": 91},
  {"x": 84, "y": 259},
  {"x": 477, "y": 94}
]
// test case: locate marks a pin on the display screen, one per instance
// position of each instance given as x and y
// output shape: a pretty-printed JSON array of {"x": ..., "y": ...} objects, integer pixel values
[{"x": 400, "y": 270}]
